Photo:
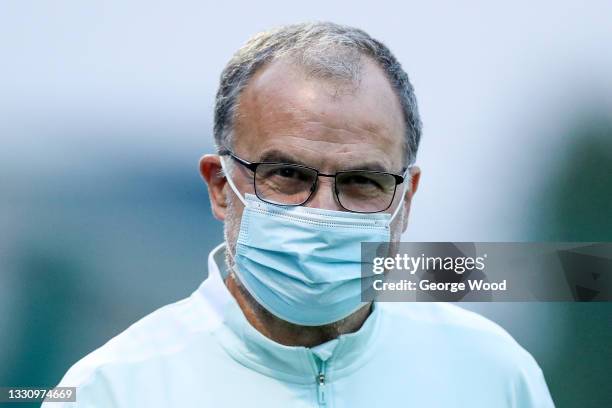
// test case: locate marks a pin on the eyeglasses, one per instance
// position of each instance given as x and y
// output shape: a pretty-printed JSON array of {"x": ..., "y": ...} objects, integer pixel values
[{"x": 288, "y": 184}]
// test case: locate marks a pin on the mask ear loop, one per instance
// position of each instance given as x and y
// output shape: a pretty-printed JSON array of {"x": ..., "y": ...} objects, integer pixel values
[
  {"x": 230, "y": 182},
  {"x": 403, "y": 198},
  {"x": 232, "y": 268}
]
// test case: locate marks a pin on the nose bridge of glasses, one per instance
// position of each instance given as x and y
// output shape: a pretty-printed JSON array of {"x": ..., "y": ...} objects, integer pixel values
[
  {"x": 326, "y": 179},
  {"x": 323, "y": 196},
  {"x": 326, "y": 175}
]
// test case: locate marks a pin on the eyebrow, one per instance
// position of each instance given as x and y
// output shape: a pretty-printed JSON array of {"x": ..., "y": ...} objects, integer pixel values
[{"x": 277, "y": 156}]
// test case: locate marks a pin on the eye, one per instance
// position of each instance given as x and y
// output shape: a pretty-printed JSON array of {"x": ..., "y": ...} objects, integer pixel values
[
  {"x": 286, "y": 172},
  {"x": 291, "y": 173},
  {"x": 360, "y": 180}
]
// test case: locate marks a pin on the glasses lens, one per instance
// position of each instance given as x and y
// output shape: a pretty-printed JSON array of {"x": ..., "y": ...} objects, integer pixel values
[
  {"x": 365, "y": 191},
  {"x": 285, "y": 184}
]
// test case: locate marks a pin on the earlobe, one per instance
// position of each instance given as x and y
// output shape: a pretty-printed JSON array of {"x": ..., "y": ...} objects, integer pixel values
[
  {"x": 212, "y": 173},
  {"x": 406, "y": 214}
]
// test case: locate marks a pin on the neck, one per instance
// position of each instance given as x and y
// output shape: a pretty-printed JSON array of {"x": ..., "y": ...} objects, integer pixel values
[{"x": 290, "y": 334}]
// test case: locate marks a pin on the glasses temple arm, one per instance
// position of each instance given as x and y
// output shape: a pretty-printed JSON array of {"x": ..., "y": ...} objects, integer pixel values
[{"x": 245, "y": 163}]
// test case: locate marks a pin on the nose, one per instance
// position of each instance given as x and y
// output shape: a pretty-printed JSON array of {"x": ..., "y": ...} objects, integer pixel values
[{"x": 324, "y": 197}]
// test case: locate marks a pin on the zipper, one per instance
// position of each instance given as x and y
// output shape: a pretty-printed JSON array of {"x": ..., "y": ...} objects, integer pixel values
[{"x": 321, "y": 383}]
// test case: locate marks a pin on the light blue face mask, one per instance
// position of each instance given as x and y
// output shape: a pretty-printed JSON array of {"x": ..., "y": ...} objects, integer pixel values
[{"x": 304, "y": 264}]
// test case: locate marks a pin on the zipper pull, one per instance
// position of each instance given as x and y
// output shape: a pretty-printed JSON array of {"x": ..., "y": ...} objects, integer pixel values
[
  {"x": 321, "y": 387},
  {"x": 321, "y": 384}
]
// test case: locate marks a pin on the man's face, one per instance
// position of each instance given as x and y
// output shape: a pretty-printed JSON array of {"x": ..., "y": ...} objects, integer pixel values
[{"x": 284, "y": 115}]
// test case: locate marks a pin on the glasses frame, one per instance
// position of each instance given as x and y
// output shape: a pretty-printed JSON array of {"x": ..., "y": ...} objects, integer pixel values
[{"x": 399, "y": 179}]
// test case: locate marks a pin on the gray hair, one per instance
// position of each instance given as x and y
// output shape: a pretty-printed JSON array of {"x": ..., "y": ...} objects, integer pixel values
[{"x": 327, "y": 51}]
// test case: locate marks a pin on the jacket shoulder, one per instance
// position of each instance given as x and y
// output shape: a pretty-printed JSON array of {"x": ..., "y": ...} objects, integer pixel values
[{"x": 160, "y": 332}]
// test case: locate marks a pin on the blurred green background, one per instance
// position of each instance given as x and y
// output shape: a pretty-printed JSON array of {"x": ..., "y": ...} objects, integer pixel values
[{"x": 106, "y": 108}]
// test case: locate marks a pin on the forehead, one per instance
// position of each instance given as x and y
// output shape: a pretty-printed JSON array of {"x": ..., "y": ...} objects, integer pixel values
[{"x": 325, "y": 123}]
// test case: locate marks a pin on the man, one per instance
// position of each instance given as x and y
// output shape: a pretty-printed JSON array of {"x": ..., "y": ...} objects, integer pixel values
[{"x": 317, "y": 131}]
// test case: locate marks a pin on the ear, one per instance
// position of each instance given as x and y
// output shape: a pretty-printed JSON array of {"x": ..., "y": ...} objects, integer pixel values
[
  {"x": 415, "y": 177},
  {"x": 212, "y": 173}
]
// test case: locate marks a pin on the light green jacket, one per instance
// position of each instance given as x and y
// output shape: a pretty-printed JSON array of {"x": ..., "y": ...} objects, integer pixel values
[{"x": 202, "y": 352}]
